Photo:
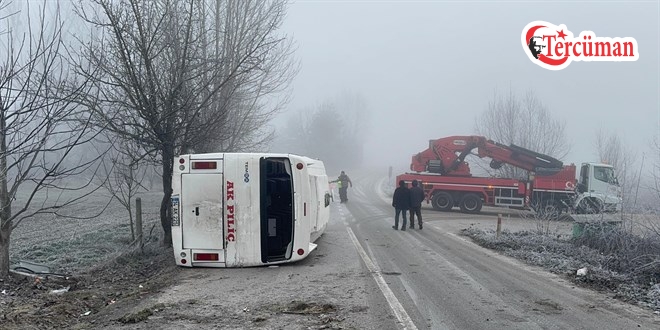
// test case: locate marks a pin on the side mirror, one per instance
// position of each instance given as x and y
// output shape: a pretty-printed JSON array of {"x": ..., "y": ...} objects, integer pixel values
[{"x": 327, "y": 199}]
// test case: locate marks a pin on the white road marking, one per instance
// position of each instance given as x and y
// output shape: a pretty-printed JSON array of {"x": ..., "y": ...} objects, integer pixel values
[
  {"x": 436, "y": 322},
  {"x": 394, "y": 303},
  {"x": 381, "y": 193}
]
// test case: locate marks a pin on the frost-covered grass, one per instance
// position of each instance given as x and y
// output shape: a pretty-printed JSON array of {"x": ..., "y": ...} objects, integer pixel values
[
  {"x": 630, "y": 273},
  {"x": 80, "y": 252},
  {"x": 69, "y": 245}
]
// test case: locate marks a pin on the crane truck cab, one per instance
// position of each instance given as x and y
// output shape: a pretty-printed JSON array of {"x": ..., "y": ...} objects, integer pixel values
[{"x": 598, "y": 189}]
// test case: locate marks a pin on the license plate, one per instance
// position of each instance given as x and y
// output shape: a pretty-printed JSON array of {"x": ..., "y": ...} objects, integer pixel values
[{"x": 175, "y": 211}]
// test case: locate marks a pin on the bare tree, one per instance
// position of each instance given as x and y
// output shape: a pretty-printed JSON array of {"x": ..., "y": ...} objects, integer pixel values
[
  {"x": 260, "y": 93},
  {"x": 353, "y": 109},
  {"x": 292, "y": 137},
  {"x": 40, "y": 125},
  {"x": 611, "y": 150},
  {"x": 334, "y": 131},
  {"x": 324, "y": 137},
  {"x": 184, "y": 76},
  {"x": 654, "y": 185},
  {"x": 525, "y": 122},
  {"x": 122, "y": 174}
]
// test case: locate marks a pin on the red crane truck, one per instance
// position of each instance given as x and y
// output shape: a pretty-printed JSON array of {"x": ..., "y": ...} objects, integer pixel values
[{"x": 550, "y": 188}]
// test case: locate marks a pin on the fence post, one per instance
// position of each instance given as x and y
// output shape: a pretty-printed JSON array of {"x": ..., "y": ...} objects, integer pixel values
[
  {"x": 499, "y": 224},
  {"x": 138, "y": 221}
]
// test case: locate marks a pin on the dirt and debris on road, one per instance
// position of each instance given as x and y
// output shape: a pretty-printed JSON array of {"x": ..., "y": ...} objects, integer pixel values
[
  {"x": 47, "y": 302},
  {"x": 147, "y": 290},
  {"x": 327, "y": 290}
]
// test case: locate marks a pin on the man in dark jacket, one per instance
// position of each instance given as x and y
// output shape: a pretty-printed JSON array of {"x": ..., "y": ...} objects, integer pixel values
[
  {"x": 416, "y": 198},
  {"x": 401, "y": 203}
]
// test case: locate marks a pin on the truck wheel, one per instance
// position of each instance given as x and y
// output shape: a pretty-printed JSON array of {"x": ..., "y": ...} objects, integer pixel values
[
  {"x": 442, "y": 201},
  {"x": 471, "y": 203},
  {"x": 589, "y": 206},
  {"x": 549, "y": 209}
]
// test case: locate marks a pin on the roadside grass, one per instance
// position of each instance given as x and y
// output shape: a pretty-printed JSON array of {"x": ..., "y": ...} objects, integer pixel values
[
  {"x": 617, "y": 261},
  {"x": 628, "y": 253},
  {"x": 72, "y": 245},
  {"x": 80, "y": 252}
]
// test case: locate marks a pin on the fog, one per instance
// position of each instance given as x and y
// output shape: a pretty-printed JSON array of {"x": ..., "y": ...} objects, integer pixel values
[{"x": 427, "y": 69}]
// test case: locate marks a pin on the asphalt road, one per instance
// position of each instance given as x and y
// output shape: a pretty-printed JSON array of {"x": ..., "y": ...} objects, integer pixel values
[
  {"x": 435, "y": 279},
  {"x": 365, "y": 275}
]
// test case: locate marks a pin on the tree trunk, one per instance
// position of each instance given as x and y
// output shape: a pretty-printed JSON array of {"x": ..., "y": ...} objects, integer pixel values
[
  {"x": 5, "y": 200},
  {"x": 5, "y": 233},
  {"x": 130, "y": 219},
  {"x": 165, "y": 216}
]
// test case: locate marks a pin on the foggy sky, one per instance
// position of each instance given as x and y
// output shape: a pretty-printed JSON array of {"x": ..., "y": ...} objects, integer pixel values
[{"x": 427, "y": 69}]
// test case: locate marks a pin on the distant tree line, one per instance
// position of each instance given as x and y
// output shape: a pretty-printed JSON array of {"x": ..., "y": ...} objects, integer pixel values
[
  {"x": 334, "y": 131},
  {"x": 525, "y": 121}
]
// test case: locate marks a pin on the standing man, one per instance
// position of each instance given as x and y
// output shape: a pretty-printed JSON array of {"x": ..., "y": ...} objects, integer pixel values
[
  {"x": 416, "y": 198},
  {"x": 344, "y": 182},
  {"x": 401, "y": 203}
]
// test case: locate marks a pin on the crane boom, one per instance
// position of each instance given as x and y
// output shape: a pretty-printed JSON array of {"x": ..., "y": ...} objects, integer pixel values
[{"x": 447, "y": 156}]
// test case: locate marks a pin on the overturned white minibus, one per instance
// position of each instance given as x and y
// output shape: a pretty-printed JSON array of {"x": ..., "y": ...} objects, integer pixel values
[{"x": 247, "y": 209}]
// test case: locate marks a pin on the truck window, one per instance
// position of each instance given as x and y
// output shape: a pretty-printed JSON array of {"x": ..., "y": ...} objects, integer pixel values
[{"x": 605, "y": 174}]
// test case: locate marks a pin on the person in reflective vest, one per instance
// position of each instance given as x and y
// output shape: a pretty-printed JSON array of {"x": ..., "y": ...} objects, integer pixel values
[{"x": 343, "y": 182}]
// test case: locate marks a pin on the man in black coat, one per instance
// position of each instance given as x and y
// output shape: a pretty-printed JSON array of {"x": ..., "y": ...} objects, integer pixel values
[
  {"x": 401, "y": 203},
  {"x": 416, "y": 198}
]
